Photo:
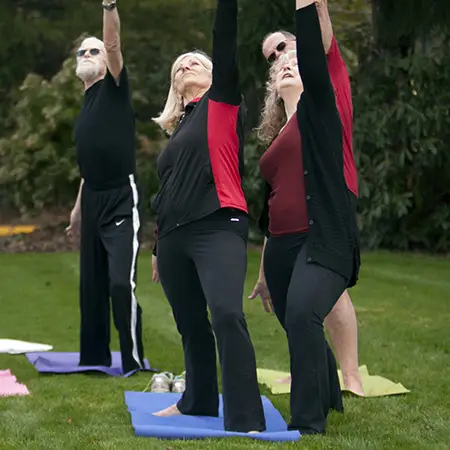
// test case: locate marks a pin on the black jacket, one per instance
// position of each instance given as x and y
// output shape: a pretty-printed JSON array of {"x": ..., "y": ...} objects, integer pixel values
[{"x": 201, "y": 168}]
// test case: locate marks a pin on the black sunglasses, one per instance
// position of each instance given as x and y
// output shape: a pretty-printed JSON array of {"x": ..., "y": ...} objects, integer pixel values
[
  {"x": 279, "y": 48},
  {"x": 92, "y": 51}
]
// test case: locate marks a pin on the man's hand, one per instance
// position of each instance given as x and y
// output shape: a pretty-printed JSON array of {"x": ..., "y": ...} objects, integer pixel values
[
  {"x": 261, "y": 290},
  {"x": 73, "y": 229},
  {"x": 111, "y": 39},
  {"x": 325, "y": 24},
  {"x": 155, "y": 274}
]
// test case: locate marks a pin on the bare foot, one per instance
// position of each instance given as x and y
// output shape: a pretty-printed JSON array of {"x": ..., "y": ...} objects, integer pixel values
[
  {"x": 353, "y": 384},
  {"x": 286, "y": 380},
  {"x": 170, "y": 411}
]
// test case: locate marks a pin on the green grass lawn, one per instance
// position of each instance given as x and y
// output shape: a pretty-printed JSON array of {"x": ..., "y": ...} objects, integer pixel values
[{"x": 402, "y": 304}]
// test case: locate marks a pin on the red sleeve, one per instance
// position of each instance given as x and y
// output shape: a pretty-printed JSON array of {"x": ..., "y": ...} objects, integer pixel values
[
  {"x": 334, "y": 57},
  {"x": 224, "y": 148},
  {"x": 342, "y": 90},
  {"x": 224, "y": 143}
]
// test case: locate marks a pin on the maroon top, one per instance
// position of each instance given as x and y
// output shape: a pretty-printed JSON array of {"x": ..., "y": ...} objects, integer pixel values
[{"x": 282, "y": 167}]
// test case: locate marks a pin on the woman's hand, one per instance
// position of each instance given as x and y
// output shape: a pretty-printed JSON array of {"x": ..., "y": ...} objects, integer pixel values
[
  {"x": 261, "y": 290},
  {"x": 155, "y": 274}
]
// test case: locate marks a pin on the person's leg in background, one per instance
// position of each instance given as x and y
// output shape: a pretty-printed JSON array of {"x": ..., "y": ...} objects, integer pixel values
[
  {"x": 342, "y": 327},
  {"x": 313, "y": 291},
  {"x": 183, "y": 290},
  {"x": 94, "y": 287},
  {"x": 221, "y": 260}
]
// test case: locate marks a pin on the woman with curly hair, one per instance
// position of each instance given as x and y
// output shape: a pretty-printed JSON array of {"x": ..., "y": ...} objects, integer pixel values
[{"x": 312, "y": 250}]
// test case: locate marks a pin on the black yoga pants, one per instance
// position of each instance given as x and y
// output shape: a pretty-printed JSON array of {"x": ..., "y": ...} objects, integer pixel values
[
  {"x": 108, "y": 259},
  {"x": 303, "y": 294},
  {"x": 203, "y": 264}
]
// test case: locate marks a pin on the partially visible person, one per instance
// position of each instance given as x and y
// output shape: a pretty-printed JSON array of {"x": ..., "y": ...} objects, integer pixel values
[
  {"x": 341, "y": 322},
  {"x": 312, "y": 251},
  {"x": 106, "y": 209},
  {"x": 203, "y": 229},
  {"x": 277, "y": 43}
]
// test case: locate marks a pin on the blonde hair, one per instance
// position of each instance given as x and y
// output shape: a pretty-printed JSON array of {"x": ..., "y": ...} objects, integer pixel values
[
  {"x": 273, "y": 115},
  {"x": 174, "y": 107}
]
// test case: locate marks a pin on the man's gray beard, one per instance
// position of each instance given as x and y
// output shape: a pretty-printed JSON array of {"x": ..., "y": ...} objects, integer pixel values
[{"x": 88, "y": 72}]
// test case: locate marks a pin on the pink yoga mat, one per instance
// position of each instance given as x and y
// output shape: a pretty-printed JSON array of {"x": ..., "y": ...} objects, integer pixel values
[{"x": 9, "y": 385}]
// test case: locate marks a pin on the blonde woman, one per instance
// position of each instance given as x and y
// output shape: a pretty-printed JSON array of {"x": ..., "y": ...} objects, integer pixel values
[
  {"x": 312, "y": 254},
  {"x": 203, "y": 229}
]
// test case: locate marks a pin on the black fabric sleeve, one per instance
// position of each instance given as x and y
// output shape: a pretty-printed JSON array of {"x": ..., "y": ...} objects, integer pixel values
[
  {"x": 225, "y": 76},
  {"x": 263, "y": 222},
  {"x": 122, "y": 85},
  {"x": 311, "y": 57}
]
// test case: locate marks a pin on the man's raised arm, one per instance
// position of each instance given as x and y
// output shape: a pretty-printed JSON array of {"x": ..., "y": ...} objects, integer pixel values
[
  {"x": 111, "y": 38},
  {"x": 325, "y": 24}
]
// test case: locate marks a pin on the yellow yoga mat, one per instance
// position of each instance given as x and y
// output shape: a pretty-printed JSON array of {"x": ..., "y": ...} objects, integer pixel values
[
  {"x": 11, "y": 230},
  {"x": 373, "y": 385}
]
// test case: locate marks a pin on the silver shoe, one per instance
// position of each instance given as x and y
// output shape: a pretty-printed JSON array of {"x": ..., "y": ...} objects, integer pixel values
[
  {"x": 161, "y": 382},
  {"x": 179, "y": 383}
]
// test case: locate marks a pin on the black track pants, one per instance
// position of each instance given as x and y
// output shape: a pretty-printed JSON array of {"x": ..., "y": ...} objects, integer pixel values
[
  {"x": 108, "y": 257},
  {"x": 203, "y": 264},
  {"x": 303, "y": 295}
]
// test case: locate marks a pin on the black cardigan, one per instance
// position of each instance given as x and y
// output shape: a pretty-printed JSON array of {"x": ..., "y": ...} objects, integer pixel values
[{"x": 333, "y": 239}]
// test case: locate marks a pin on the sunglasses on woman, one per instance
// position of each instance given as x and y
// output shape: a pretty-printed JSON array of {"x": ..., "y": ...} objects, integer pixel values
[{"x": 92, "y": 51}]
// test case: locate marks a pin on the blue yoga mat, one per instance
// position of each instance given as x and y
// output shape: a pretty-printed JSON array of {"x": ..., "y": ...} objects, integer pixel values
[
  {"x": 68, "y": 362},
  {"x": 142, "y": 405}
]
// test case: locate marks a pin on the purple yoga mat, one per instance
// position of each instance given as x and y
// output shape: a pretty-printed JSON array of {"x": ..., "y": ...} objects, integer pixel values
[{"x": 67, "y": 362}]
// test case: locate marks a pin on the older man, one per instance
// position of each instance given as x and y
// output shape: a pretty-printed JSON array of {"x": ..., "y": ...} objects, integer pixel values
[
  {"x": 107, "y": 203},
  {"x": 341, "y": 322}
]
